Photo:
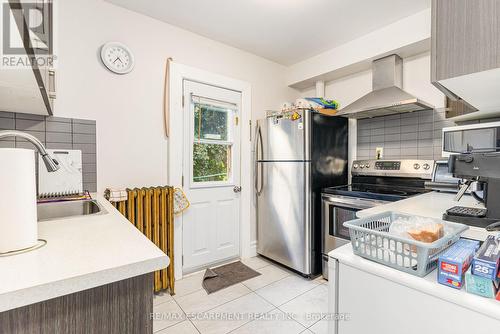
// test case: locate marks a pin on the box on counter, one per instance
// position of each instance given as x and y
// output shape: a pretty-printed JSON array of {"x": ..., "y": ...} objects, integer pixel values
[
  {"x": 481, "y": 286},
  {"x": 455, "y": 261},
  {"x": 487, "y": 259}
]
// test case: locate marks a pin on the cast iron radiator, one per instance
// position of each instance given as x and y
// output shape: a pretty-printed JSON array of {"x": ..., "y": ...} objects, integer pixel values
[{"x": 151, "y": 210}]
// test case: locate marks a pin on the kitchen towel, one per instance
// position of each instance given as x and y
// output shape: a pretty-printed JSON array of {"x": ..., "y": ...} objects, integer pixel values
[{"x": 116, "y": 195}]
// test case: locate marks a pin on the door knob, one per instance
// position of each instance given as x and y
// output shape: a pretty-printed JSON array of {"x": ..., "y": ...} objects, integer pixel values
[{"x": 237, "y": 189}]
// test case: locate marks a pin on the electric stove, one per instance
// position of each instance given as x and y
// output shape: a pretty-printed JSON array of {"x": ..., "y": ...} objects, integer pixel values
[{"x": 374, "y": 183}]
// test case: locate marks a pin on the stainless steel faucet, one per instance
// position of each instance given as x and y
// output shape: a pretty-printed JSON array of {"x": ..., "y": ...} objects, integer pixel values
[{"x": 51, "y": 164}]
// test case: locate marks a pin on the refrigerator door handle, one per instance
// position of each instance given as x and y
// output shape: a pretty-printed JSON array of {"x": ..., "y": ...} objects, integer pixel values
[
  {"x": 258, "y": 145},
  {"x": 256, "y": 150}
]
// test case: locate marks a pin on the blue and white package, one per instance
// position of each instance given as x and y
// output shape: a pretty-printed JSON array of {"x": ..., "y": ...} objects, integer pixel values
[
  {"x": 487, "y": 259},
  {"x": 454, "y": 262}
]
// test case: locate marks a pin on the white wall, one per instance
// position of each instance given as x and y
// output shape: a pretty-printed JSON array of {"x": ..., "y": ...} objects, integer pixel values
[
  {"x": 132, "y": 150},
  {"x": 410, "y": 35},
  {"x": 416, "y": 80}
]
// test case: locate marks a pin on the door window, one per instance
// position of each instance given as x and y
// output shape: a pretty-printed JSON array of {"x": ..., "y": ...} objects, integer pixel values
[
  {"x": 213, "y": 141},
  {"x": 339, "y": 215}
]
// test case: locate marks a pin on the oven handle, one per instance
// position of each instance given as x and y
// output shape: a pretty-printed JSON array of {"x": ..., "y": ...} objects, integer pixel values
[
  {"x": 342, "y": 202},
  {"x": 357, "y": 203}
]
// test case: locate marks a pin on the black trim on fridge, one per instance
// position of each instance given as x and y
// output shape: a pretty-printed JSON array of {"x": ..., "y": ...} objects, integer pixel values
[{"x": 329, "y": 168}]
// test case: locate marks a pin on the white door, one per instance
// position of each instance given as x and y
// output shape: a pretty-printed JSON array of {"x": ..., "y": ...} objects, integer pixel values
[{"x": 211, "y": 175}]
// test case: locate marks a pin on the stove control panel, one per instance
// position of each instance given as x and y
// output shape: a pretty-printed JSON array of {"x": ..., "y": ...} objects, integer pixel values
[
  {"x": 388, "y": 165},
  {"x": 398, "y": 168}
]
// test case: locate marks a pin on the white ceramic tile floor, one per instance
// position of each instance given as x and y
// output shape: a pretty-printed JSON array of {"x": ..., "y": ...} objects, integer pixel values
[
  {"x": 256, "y": 262},
  {"x": 309, "y": 307},
  {"x": 167, "y": 314},
  {"x": 161, "y": 298},
  {"x": 242, "y": 308},
  {"x": 185, "y": 327},
  {"x": 271, "y": 323},
  {"x": 284, "y": 290},
  {"x": 188, "y": 284},
  {"x": 321, "y": 327},
  {"x": 268, "y": 275},
  {"x": 260, "y": 305},
  {"x": 200, "y": 301}
]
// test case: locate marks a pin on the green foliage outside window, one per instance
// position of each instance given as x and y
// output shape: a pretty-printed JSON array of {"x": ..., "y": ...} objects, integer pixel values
[{"x": 210, "y": 161}]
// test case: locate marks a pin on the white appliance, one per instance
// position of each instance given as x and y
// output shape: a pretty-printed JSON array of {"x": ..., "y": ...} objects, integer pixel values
[{"x": 18, "y": 215}]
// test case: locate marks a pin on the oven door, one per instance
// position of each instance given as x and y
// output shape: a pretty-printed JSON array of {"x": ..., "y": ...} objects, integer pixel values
[{"x": 336, "y": 210}]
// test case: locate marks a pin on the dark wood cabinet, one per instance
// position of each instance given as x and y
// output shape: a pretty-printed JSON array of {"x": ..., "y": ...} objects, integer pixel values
[{"x": 123, "y": 307}]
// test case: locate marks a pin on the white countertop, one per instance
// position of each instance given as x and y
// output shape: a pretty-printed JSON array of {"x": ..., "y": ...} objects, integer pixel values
[
  {"x": 427, "y": 284},
  {"x": 433, "y": 205},
  {"x": 81, "y": 253}
]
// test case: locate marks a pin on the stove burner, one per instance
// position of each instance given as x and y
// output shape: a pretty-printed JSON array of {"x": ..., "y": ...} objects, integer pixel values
[{"x": 376, "y": 191}]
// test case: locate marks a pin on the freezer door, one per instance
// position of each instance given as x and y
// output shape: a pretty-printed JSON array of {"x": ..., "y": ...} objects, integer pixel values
[
  {"x": 283, "y": 214},
  {"x": 284, "y": 139}
]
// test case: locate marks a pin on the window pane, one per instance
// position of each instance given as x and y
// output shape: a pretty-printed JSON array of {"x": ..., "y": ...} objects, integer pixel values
[
  {"x": 211, "y": 162},
  {"x": 210, "y": 122}
]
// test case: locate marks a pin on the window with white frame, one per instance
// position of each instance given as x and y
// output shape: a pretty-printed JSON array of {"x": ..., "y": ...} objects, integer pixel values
[{"x": 213, "y": 123}]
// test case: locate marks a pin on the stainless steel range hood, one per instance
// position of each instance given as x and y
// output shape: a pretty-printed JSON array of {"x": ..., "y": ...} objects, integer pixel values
[{"x": 387, "y": 97}]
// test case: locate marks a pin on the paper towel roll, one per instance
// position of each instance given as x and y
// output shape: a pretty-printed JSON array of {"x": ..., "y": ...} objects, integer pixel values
[{"x": 18, "y": 216}]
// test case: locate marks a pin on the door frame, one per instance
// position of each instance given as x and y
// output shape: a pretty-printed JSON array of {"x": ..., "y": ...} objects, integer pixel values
[{"x": 179, "y": 73}]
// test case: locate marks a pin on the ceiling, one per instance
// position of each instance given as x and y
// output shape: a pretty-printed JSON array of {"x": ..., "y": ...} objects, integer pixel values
[{"x": 285, "y": 31}]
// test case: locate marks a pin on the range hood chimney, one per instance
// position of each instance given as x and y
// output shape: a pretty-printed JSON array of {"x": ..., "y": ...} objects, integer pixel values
[{"x": 387, "y": 96}]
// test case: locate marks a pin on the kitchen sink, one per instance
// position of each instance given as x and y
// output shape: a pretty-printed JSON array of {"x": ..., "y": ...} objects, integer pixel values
[{"x": 58, "y": 210}]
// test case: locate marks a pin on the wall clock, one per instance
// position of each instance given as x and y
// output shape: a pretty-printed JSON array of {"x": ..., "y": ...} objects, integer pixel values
[{"x": 117, "y": 57}]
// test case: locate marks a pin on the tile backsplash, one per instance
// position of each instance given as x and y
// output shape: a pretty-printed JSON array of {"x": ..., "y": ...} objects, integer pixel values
[
  {"x": 56, "y": 133},
  {"x": 415, "y": 135}
]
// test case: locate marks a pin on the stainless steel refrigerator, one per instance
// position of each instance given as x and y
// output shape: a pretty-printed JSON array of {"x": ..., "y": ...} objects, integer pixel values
[{"x": 296, "y": 155}]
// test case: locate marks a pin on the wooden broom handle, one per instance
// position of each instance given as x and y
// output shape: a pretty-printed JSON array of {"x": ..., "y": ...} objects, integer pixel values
[{"x": 166, "y": 101}]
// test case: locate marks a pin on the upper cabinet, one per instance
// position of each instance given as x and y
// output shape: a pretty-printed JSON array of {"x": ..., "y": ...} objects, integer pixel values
[
  {"x": 27, "y": 75},
  {"x": 465, "y": 52}
]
